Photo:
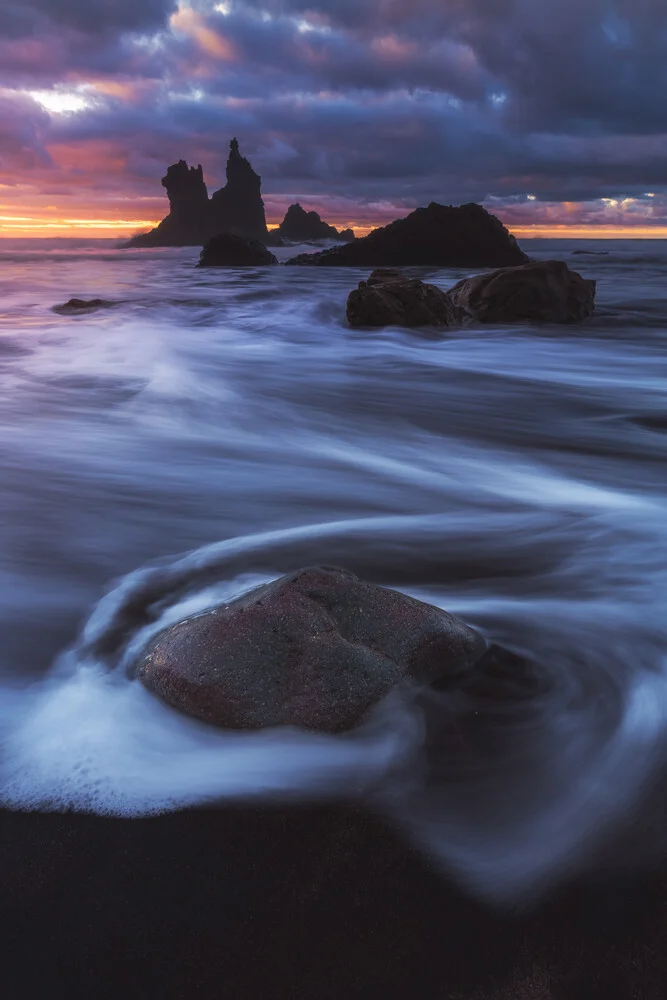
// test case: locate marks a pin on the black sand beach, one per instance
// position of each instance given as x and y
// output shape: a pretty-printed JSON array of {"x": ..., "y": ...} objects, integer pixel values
[{"x": 298, "y": 903}]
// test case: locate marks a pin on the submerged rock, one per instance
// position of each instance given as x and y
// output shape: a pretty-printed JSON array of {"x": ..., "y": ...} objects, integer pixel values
[
  {"x": 315, "y": 649},
  {"x": 440, "y": 235},
  {"x": 74, "y": 306},
  {"x": 540, "y": 292},
  {"x": 389, "y": 298},
  {"x": 194, "y": 217},
  {"x": 300, "y": 226},
  {"x": 227, "y": 250}
]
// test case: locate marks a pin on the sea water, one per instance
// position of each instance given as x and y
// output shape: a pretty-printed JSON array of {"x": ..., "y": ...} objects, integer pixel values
[{"x": 212, "y": 429}]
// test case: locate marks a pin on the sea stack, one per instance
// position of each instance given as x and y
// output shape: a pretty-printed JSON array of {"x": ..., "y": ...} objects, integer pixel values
[
  {"x": 300, "y": 226},
  {"x": 435, "y": 236},
  {"x": 194, "y": 218},
  {"x": 237, "y": 208}
]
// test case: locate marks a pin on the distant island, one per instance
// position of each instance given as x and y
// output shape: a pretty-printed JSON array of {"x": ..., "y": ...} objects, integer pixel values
[{"x": 237, "y": 208}]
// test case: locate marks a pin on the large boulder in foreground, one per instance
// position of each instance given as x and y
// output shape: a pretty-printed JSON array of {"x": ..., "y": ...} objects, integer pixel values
[
  {"x": 438, "y": 236},
  {"x": 539, "y": 292},
  {"x": 315, "y": 649},
  {"x": 389, "y": 298},
  {"x": 227, "y": 250}
]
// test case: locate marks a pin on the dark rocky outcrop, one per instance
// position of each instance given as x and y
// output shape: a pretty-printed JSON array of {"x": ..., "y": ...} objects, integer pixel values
[
  {"x": 439, "y": 235},
  {"x": 238, "y": 207},
  {"x": 388, "y": 298},
  {"x": 541, "y": 292},
  {"x": 75, "y": 306},
  {"x": 227, "y": 250},
  {"x": 194, "y": 218},
  {"x": 315, "y": 649},
  {"x": 300, "y": 226}
]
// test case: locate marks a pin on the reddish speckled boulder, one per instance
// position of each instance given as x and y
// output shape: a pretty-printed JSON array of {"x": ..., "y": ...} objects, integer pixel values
[{"x": 315, "y": 649}]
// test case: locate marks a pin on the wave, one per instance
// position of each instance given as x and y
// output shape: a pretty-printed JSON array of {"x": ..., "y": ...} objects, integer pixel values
[{"x": 507, "y": 787}]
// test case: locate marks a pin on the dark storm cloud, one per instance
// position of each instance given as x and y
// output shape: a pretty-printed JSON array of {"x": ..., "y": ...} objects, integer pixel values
[
  {"x": 379, "y": 101},
  {"x": 90, "y": 16}
]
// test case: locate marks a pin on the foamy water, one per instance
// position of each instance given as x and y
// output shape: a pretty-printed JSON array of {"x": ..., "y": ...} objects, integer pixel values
[{"x": 213, "y": 430}]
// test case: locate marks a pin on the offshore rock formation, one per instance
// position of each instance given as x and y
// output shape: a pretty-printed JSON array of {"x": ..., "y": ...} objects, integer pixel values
[
  {"x": 300, "y": 226},
  {"x": 194, "y": 218},
  {"x": 389, "y": 298},
  {"x": 315, "y": 649},
  {"x": 540, "y": 292},
  {"x": 440, "y": 236},
  {"x": 227, "y": 250}
]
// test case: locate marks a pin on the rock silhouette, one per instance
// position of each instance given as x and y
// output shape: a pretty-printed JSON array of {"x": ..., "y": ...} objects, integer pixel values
[
  {"x": 227, "y": 250},
  {"x": 439, "y": 235},
  {"x": 389, "y": 298},
  {"x": 300, "y": 226},
  {"x": 542, "y": 292},
  {"x": 315, "y": 649},
  {"x": 194, "y": 218}
]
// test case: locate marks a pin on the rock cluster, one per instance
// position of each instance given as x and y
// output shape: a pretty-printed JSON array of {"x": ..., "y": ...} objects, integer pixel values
[
  {"x": 439, "y": 235},
  {"x": 539, "y": 292},
  {"x": 315, "y": 649}
]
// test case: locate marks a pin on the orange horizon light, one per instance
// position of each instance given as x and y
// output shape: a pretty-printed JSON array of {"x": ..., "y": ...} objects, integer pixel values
[{"x": 98, "y": 228}]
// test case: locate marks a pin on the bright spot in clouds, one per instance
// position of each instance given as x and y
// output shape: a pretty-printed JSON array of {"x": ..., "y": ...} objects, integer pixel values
[{"x": 60, "y": 102}]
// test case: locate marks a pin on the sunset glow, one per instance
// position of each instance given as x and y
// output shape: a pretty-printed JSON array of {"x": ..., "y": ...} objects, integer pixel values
[{"x": 362, "y": 115}]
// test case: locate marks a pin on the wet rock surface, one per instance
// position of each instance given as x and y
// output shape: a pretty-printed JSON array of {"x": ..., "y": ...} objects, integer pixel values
[
  {"x": 315, "y": 649},
  {"x": 438, "y": 235},
  {"x": 389, "y": 298},
  {"x": 542, "y": 292}
]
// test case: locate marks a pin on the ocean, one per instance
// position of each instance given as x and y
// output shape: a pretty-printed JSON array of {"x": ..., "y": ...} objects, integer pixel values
[{"x": 212, "y": 429}]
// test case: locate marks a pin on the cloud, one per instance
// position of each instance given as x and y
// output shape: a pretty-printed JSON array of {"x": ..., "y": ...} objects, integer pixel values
[
  {"x": 366, "y": 107},
  {"x": 88, "y": 16}
]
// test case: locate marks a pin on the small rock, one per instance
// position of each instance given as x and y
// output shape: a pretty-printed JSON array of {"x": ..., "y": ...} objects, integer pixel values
[
  {"x": 315, "y": 649},
  {"x": 74, "y": 306},
  {"x": 541, "y": 292},
  {"x": 227, "y": 250},
  {"x": 388, "y": 298}
]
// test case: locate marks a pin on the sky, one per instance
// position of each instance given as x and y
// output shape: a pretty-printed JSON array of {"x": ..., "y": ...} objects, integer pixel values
[{"x": 552, "y": 113}]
